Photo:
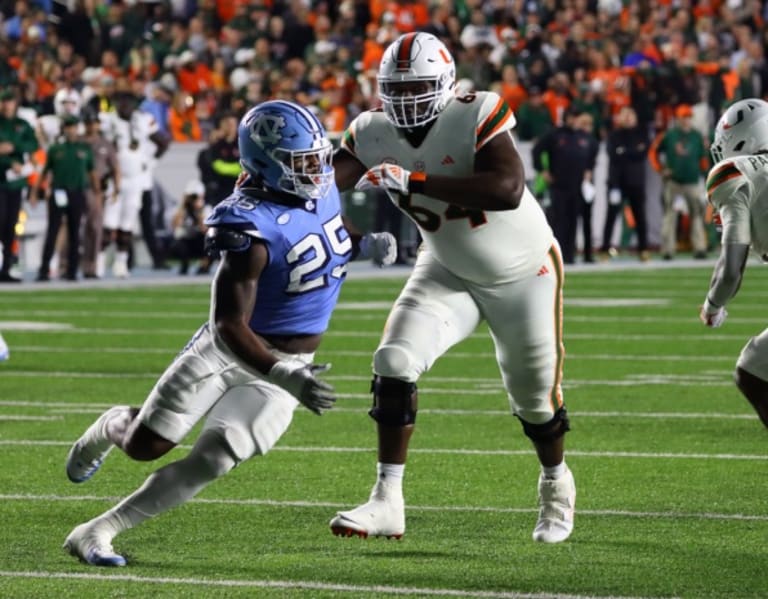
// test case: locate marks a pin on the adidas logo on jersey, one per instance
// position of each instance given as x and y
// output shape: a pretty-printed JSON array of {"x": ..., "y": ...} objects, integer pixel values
[
  {"x": 447, "y": 160},
  {"x": 543, "y": 271}
]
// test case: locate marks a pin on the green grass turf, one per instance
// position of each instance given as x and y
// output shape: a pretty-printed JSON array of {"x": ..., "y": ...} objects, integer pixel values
[{"x": 669, "y": 459}]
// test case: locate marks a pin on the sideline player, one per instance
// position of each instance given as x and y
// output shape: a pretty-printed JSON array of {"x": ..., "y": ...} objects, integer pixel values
[
  {"x": 285, "y": 253},
  {"x": 737, "y": 187},
  {"x": 450, "y": 163}
]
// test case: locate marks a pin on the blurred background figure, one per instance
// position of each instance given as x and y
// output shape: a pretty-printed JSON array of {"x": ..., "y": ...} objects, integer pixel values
[
  {"x": 219, "y": 161},
  {"x": 627, "y": 148},
  {"x": 17, "y": 142},
  {"x": 107, "y": 170},
  {"x": 188, "y": 225},
  {"x": 139, "y": 144},
  {"x": 69, "y": 172},
  {"x": 565, "y": 157},
  {"x": 679, "y": 155}
]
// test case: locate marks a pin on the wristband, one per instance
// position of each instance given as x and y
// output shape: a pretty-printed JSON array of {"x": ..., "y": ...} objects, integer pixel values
[{"x": 416, "y": 182}]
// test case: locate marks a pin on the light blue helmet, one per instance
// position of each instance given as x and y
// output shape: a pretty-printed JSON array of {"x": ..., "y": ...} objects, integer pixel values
[{"x": 285, "y": 147}]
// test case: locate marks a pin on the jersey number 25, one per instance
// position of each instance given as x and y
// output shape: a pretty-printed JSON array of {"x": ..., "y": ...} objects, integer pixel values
[{"x": 311, "y": 274}]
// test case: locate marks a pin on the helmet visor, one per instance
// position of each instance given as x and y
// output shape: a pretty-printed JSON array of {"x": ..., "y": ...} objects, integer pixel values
[
  {"x": 306, "y": 173},
  {"x": 409, "y": 103}
]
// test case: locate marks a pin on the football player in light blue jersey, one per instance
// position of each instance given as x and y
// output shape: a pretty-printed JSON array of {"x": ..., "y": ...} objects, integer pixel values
[{"x": 284, "y": 252}]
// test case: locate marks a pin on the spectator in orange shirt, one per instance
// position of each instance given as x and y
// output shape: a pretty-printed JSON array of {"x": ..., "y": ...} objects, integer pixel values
[
  {"x": 193, "y": 75},
  {"x": 557, "y": 97},
  {"x": 510, "y": 88},
  {"x": 182, "y": 119},
  {"x": 409, "y": 15}
]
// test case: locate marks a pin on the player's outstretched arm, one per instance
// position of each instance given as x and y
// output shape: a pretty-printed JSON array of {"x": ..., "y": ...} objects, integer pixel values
[
  {"x": 497, "y": 182},
  {"x": 725, "y": 283},
  {"x": 347, "y": 169}
]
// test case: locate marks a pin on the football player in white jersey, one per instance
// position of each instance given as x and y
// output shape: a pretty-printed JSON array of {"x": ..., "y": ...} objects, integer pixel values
[
  {"x": 737, "y": 187},
  {"x": 450, "y": 163},
  {"x": 133, "y": 132}
]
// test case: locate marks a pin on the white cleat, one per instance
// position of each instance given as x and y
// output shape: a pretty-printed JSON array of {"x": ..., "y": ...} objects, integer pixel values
[
  {"x": 4, "y": 352},
  {"x": 120, "y": 269},
  {"x": 88, "y": 453},
  {"x": 557, "y": 499},
  {"x": 92, "y": 546},
  {"x": 382, "y": 516}
]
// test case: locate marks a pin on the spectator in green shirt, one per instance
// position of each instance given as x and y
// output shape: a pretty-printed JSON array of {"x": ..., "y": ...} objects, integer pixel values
[
  {"x": 533, "y": 118},
  {"x": 679, "y": 155},
  {"x": 17, "y": 142},
  {"x": 69, "y": 171}
]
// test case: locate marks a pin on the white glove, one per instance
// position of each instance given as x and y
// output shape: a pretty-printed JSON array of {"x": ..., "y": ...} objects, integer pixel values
[
  {"x": 300, "y": 381},
  {"x": 588, "y": 191},
  {"x": 379, "y": 247},
  {"x": 389, "y": 177},
  {"x": 712, "y": 316},
  {"x": 614, "y": 197}
]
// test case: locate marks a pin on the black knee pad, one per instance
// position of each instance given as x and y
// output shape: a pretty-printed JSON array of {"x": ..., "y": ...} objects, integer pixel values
[
  {"x": 395, "y": 402},
  {"x": 548, "y": 431},
  {"x": 124, "y": 239}
]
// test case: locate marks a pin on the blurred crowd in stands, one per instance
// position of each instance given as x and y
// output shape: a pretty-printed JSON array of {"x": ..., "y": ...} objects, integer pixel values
[
  {"x": 196, "y": 59},
  {"x": 197, "y": 65}
]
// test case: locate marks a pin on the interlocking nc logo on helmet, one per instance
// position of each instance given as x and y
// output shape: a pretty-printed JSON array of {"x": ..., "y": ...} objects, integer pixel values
[{"x": 265, "y": 129}]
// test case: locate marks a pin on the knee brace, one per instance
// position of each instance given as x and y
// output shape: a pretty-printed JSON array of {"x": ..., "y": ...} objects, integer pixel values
[
  {"x": 395, "y": 402},
  {"x": 124, "y": 239},
  {"x": 547, "y": 431}
]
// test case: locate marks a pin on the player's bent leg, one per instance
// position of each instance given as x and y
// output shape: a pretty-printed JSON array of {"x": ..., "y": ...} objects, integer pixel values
[
  {"x": 89, "y": 451},
  {"x": 751, "y": 374},
  {"x": 755, "y": 390},
  {"x": 395, "y": 404},
  {"x": 170, "y": 486},
  {"x": 144, "y": 445},
  {"x": 557, "y": 495}
]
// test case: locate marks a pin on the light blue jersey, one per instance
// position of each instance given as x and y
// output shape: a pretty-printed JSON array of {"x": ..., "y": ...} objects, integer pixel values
[{"x": 308, "y": 249}]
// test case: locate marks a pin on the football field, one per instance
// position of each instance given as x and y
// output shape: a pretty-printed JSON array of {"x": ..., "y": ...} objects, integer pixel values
[{"x": 670, "y": 462}]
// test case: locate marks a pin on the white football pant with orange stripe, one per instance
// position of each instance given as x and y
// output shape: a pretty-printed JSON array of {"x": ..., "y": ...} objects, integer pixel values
[{"x": 436, "y": 310}]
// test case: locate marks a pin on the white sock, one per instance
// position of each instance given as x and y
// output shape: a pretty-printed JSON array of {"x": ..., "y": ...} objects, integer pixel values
[
  {"x": 120, "y": 265},
  {"x": 101, "y": 264},
  {"x": 170, "y": 486},
  {"x": 392, "y": 474},
  {"x": 554, "y": 472}
]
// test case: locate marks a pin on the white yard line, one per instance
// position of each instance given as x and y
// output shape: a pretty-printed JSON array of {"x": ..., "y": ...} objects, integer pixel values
[
  {"x": 88, "y": 408},
  {"x": 702, "y": 380},
  {"x": 27, "y": 417},
  {"x": 363, "y": 354},
  {"x": 472, "y": 452},
  {"x": 300, "y": 584},
  {"x": 675, "y": 515}
]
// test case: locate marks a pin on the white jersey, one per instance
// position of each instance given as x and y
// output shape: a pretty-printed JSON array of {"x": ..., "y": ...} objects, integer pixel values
[
  {"x": 134, "y": 147},
  {"x": 738, "y": 189},
  {"x": 476, "y": 245}
]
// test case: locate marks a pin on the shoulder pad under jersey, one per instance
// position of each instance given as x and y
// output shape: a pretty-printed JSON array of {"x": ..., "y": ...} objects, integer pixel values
[
  {"x": 237, "y": 212},
  {"x": 723, "y": 179},
  {"x": 493, "y": 117}
]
